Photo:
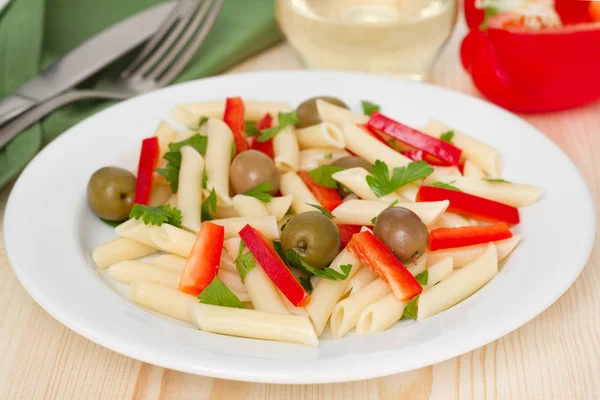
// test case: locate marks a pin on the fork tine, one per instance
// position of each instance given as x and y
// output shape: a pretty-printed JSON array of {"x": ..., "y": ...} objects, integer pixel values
[{"x": 195, "y": 35}]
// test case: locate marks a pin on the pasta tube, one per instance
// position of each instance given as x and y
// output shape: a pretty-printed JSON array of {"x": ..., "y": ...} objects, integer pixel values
[
  {"x": 322, "y": 135},
  {"x": 247, "y": 206},
  {"x": 218, "y": 158},
  {"x": 170, "y": 262},
  {"x": 466, "y": 255},
  {"x": 355, "y": 179},
  {"x": 129, "y": 271},
  {"x": 470, "y": 170},
  {"x": 120, "y": 249},
  {"x": 279, "y": 206},
  {"x": 366, "y": 146},
  {"x": 267, "y": 225},
  {"x": 285, "y": 148},
  {"x": 439, "y": 271},
  {"x": 166, "y": 237},
  {"x": 190, "y": 113},
  {"x": 189, "y": 194},
  {"x": 362, "y": 212},
  {"x": 314, "y": 158},
  {"x": 293, "y": 185},
  {"x": 361, "y": 279},
  {"x": 162, "y": 299},
  {"x": 380, "y": 315},
  {"x": 339, "y": 115}
]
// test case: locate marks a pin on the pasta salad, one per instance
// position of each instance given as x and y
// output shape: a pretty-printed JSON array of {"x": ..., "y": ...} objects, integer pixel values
[{"x": 268, "y": 222}]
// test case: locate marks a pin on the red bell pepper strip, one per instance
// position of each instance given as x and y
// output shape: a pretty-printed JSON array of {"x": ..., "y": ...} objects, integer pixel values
[
  {"x": 449, "y": 238},
  {"x": 346, "y": 233},
  {"x": 273, "y": 266},
  {"x": 145, "y": 174},
  {"x": 535, "y": 70},
  {"x": 234, "y": 118},
  {"x": 264, "y": 147},
  {"x": 203, "y": 263},
  {"x": 471, "y": 206},
  {"x": 432, "y": 147},
  {"x": 419, "y": 155},
  {"x": 381, "y": 261},
  {"x": 329, "y": 198}
]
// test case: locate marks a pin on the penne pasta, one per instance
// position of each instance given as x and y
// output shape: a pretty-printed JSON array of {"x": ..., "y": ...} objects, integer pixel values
[
  {"x": 470, "y": 170},
  {"x": 166, "y": 237},
  {"x": 314, "y": 280},
  {"x": 361, "y": 279},
  {"x": 466, "y": 255},
  {"x": 285, "y": 148},
  {"x": 366, "y": 146},
  {"x": 322, "y": 135},
  {"x": 292, "y": 309},
  {"x": 166, "y": 135},
  {"x": 452, "y": 220},
  {"x": 120, "y": 249},
  {"x": 232, "y": 246},
  {"x": 190, "y": 113},
  {"x": 224, "y": 211},
  {"x": 170, "y": 262},
  {"x": 459, "y": 285},
  {"x": 362, "y": 212},
  {"x": 409, "y": 192},
  {"x": 232, "y": 280},
  {"x": 513, "y": 194},
  {"x": 227, "y": 262},
  {"x": 279, "y": 206},
  {"x": 355, "y": 179},
  {"x": 262, "y": 292},
  {"x": 293, "y": 185},
  {"x": 162, "y": 299},
  {"x": 346, "y": 313},
  {"x": 416, "y": 267},
  {"x": 248, "y": 206},
  {"x": 450, "y": 171},
  {"x": 129, "y": 271},
  {"x": 314, "y": 158},
  {"x": 379, "y": 316},
  {"x": 339, "y": 115},
  {"x": 218, "y": 158},
  {"x": 267, "y": 225},
  {"x": 439, "y": 271},
  {"x": 253, "y": 324},
  {"x": 172, "y": 200},
  {"x": 161, "y": 192},
  {"x": 189, "y": 194},
  {"x": 482, "y": 155}
]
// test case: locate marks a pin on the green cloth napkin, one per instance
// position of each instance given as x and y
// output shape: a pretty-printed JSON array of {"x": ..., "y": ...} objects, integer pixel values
[{"x": 34, "y": 33}]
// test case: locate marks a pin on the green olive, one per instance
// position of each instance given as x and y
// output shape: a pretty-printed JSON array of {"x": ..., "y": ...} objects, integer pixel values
[
  {"x": 250, "y": 168},
  {"x": 307, "y": 111},
  {"x": 110, "y": 193},
  {"x": 314, "y": 237},
  {"x": 350, "y": 162},
  {"x": 403, "y": 232}
]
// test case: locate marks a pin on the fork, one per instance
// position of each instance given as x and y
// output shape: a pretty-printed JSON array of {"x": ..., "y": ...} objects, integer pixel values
[{"x": 161, "y": 60}]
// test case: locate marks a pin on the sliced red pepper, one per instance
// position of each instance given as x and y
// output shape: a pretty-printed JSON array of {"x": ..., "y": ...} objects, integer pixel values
[
  {"x": 432, "y": 147},
  {"x": 419, "y": 155},
  {"x": 145, "y": 174},
  {"x": 329, "y": 198},
  {"x": 380, "y": 260},
  {"x": 273, "y": 266},
  {"x": 346, "y": 233},
  {"x": 264, "y": 147},
  {"x": 234, "y": 118},
  {"x": 471, "y": 206},
  {"x": 203, "y": 263},
  {"x": 449, "y": 238}
]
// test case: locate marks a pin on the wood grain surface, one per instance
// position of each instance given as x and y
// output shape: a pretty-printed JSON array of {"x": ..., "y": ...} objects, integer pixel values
[{"x": 557, "y": 355}]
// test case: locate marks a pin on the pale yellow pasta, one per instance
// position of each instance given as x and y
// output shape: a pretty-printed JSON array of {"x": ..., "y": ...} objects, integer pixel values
[
  {"x": 314, "y": 158},
  {"x": 224, "y": 211},
  {"x": 355, "y": 179},
  {"x": 279, "y": 206},
  {"x": 120, "y": 249},
  {"x": 232, "y": 280},
  {"x": 380, "y": 315},
  {"x": 262, "y": 292},
  {"x": 166, "y": 135},
  {"x": 267, "y": 225},
  {"x": 470, "y": 170},
  {"x": 416, "y": 267},
  {"x": 465, "y": 255},
  {"x": 293, "y": 185},
  {"x": 170, "y": 262},
  {"x": 285, "y": 149},
  {"x": 513, "y": 194},
  {"x": 167, "y": 238},
  {"x": 449, "y": 171},
  {"x": 327, "y": 292},
  {"x": 451, "y": 220},
  {"x": 292, "y": 309},
  {"x": 314, "y": 280},
  {"x": 459, "y": 285},
  {"x": 439, "y": 271},
  {"x": 339, "y": 115},
  {"x": 321, "y": 135},
  {"x": 248, "y": 206},
  {"x": 172, "y": 200},
  {"x": 227, "y": 262},
  {"x": 232, "y": 246},
  {"x": 129, "y": 271},
  {"x": 253, "y": 324},
  {"x": 485, "y": 157},
  {"x": 350, "y": 196},
  {"x": 190, "y": 113},
  {"x": 162, "y": 299},
  {"x": 346, "y": 313},
  {"x": 362, "y": 212},
  {"x": 160, "y": 194},
  {"x": 366, "y": 146},
  {"x": 361, "y": 279},
  {"x": 218, "y": 158},
  {"x": 189, "y": 194},
  {"x": 409, "y": 192}
]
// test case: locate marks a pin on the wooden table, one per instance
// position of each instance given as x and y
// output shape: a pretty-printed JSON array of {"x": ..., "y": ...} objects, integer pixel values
[{"x": 557, "y": 355}]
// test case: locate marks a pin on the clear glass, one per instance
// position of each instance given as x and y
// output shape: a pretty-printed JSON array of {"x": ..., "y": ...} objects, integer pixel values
[{"x": 392, "y": 37}]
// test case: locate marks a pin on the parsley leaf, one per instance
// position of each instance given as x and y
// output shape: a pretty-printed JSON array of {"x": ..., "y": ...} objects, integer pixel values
[
  {"x": 171, "y": 174},
  {"x": 244, "y": 262},
  {"x": 368, "y": 107},
  {"x": 156, "y": 215},
  {"x": 218, "y": 294},
  {"x": 447, "y": 136},
  {"x": 490, "y": 11},
  {"x": 410, "y": 311},
  {"x": 233, "y": 150},
  {"x": 446, "y": 186},
  {"x": 204, "y": 179},
  {"x": 250, "y": 128},
  {"x": 202, "y": 121},
  {"x": 279, "y": 249},
  {"x": 285, "y": 119},
  {"x": 294, "y": 261},
  {"x": 197, "y": 141},
  {"x": 328, "y": 156},
  {"x": 208, "y": 205},
  {"x": 306, "y": 284},
  {"x": 322, "y": 175},
  {"x": 423, "y": 277},
  {"x": 497, "y": 181},
  {"x": 173, "y": 157},
  {"x": 381, "y": 183},
  {"x": 260, "y": 192},
  {"x": 284, "y": 225},
  {"x": 325, "y": 211}
]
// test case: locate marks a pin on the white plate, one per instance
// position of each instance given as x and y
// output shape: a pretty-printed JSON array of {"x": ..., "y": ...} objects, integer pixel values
[{"x": 50, "y": 234}]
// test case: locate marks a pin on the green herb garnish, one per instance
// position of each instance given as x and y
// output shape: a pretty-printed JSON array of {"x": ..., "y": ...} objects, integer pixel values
[
  {"x": 444, "y": 185},
  {"x": 381, "y": 183},
  {"x": 447, "y": 136},
  {"x": 323, "y": 175},
  {"x": 156, "y": 215},
  {"x": 209, "y": 204},
  {"x": 325, "y": 211},
  {"x": 285, "y": 119},
  {"x": 218, "y": 294},
  {"x": 410, "y": 311},
  {"x": 368, "y": 107},
  {"x": 260, "y": 192}
]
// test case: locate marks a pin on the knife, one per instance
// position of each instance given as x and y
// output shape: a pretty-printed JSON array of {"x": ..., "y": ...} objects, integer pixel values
[{"x": 85, "y": 60}]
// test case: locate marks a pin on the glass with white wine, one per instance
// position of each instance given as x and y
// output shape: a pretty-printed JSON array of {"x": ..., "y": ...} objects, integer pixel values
[{"x": 392, "y": 37}]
